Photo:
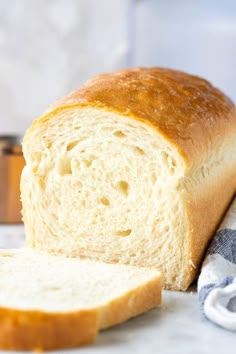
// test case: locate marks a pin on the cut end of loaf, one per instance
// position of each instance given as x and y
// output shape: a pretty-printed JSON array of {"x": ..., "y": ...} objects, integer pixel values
[{"x": 101, "y": 186}]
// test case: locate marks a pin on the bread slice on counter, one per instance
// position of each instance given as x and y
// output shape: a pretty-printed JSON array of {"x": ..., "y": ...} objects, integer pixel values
[
  {"x": 135, "y": 167},
  {"x": 49, "y": 302}
]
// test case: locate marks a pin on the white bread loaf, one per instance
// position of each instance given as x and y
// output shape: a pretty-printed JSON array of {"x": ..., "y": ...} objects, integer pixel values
[
  {"x": 136, "y": 167},
  {"x": 49, "y": 302}
]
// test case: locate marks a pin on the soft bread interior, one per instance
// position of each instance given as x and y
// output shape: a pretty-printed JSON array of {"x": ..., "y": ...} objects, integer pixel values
[
  {"x": 32, "y": 281},
  {"x": 106, "y": 187}
]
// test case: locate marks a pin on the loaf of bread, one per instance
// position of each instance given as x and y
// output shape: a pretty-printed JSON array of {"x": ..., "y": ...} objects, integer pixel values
[
  {"x": 136, "y": 167},
  {"x": 49, "y": 302}
]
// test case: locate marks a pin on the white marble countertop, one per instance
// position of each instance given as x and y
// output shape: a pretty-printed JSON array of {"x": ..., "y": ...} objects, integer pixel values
[{"x": 177, "y": 326}]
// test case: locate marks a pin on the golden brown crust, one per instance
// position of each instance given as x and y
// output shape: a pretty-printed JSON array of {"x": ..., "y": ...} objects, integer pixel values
[
  {"x": 35, "y": 330},
  {"x": 205, "y": 209},
  {"x": 186, "y": 109}
]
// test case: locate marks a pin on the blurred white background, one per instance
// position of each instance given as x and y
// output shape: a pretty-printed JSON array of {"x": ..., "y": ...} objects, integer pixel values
[
  {"x": 49, "y": 47},
  {"x": 197, "y": 36}
]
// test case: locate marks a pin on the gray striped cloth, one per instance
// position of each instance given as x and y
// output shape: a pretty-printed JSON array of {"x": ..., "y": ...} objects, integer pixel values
[{"x": 217, "y": 280}]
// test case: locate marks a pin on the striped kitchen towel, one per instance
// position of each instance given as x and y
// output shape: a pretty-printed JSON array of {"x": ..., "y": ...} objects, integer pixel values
[{"x": 217, "y": 280}]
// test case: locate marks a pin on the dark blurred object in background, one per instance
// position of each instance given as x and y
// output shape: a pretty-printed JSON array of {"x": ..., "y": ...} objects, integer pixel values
[{"x": 11, "y": 165}]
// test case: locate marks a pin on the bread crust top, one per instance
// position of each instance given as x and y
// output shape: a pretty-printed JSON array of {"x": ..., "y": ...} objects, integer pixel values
[{"x": 187, "y": 110}]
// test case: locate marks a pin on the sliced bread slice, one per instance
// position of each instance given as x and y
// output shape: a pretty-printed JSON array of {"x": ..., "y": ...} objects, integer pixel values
[{"x": 52, "y": 302}]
